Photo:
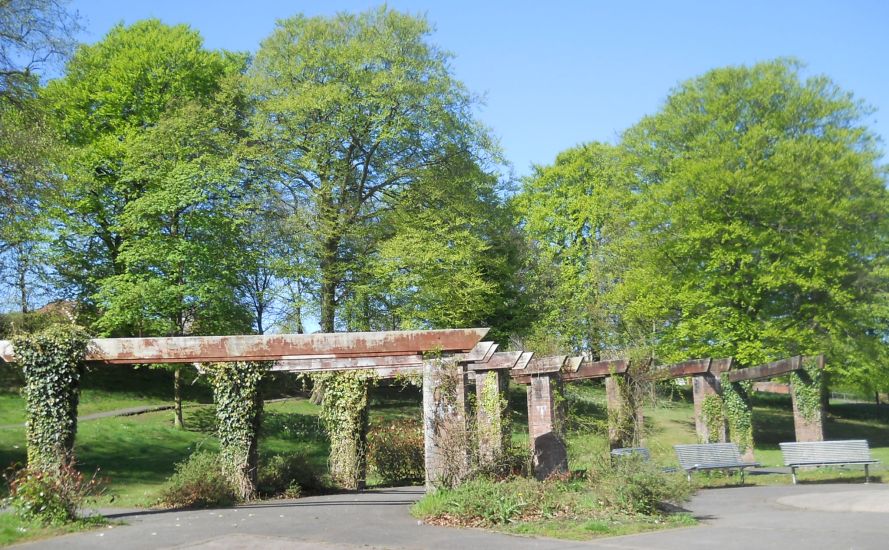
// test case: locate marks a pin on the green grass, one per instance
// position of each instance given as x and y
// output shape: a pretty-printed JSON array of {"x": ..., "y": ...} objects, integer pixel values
[
  {"x": 574, "y": 529},
  {"x": 14, "y": 530}
]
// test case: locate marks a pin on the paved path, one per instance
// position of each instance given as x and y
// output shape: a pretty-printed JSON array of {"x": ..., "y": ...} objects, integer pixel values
[
  {"x": 784, "y": 517},
  {"x": 130, "y": 411}
]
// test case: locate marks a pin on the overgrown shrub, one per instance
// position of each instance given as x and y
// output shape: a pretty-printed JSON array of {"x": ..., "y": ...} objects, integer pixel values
[
  {"x": 288, "y": 476},
  {"x": 199, "y": 482},
  {"x": 633, "y": 485},
  {"x": 395, "y": 451},
  {"x": 50, "y": 497}
]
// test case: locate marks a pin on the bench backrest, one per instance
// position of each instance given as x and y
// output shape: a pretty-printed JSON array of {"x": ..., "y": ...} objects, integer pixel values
[
  {"x": 629, "y": 451},
  {"x": 707, "y": 455},
  {"x": 814, "y": 452}
]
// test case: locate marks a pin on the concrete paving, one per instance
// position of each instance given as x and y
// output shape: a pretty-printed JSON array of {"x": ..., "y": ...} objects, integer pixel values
[{"x": 809, "y": 517}]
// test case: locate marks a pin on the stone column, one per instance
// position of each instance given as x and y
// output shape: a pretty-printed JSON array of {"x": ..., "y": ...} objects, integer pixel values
[
  {"x": 704, "y": 386},
  {"x": 808, "y": 408},
  {"x": 740, "y": 423},
  {"x": 491, "y": 426},
  {"x": 548, "y": 451},
  {"x": 444, "y": 423},
  {"x": 623, "y": 415}
]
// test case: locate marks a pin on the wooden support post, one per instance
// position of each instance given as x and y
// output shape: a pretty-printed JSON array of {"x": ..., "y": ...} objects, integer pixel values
[
  {"x": 444, "y": 423},
  {"x": 707, "y": 394},
  {"x": 549, "y": 455},
  {"x": 491, "y": 426},
  {"x": 805, "y": 394}
]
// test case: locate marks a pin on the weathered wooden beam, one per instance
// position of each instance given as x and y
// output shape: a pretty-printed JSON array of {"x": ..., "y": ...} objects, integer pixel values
[
  {"x": 479, "y": 353},
  {"x": 500, "y": 360},
  {"x": 523, "y": 361},
  {"x": 543, "y": 365},
  {"x": 347, "y": 363},
  {"x": 573, "y": 363},
  {"x": 599, "y": 369},
  {"x": 719, "y": 366},
  {"x": 766, "y": 371},
  {"x": 190, "y": 349},
  {"x": 686, "y": 368}
]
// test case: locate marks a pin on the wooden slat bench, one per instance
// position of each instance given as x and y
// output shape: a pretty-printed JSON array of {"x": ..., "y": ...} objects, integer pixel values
[
  {"x": 711, "y": 456},
  {"x": 827, "y": 453}
]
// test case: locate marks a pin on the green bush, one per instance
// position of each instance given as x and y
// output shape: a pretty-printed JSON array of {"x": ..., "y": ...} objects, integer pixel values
[
  {"x": 198, "y": 483},
  {"x": 396, "y": 451},
  {"x": 288, "y": 476},
  {"x": 50, "y": 496},
  {"x": 633, "y": 485}
]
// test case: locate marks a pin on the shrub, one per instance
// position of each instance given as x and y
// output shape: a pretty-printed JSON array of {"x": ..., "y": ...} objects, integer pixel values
[
  {"x": 287, "y": 476},
  {"x": 396, "y": 451},
  {"x": 50, "y": 496},
  {"x": 635, "y": 486},
  {"x": 199, "y": 482}
]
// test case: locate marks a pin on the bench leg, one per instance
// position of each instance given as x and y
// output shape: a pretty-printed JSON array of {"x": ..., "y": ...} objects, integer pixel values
[
  {"x": 742, "y": 476},
  {"x": 793, "y": 474},
  {"x": 866, "y": 474},
  {"x": 688, "y": 476}
]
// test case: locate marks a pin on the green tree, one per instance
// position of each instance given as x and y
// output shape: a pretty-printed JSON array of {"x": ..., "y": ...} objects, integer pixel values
[
  {"x": 572, "y": 214},
  {"x": 150, "y": 222},
  {"x": 761, "y": 222},
  {"x": 352, "y": 110}
]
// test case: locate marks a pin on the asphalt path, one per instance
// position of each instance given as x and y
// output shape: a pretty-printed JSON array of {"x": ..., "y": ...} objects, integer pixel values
[{"x": 806, "y": 517}]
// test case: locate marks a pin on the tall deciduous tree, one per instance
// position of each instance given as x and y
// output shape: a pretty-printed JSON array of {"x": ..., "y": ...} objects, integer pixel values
[
  {"x": 573, "y": 213},
  {"x": 762, "y": 222},
  {"x": 352, "y": 110},
  {"x": 150, "y": 224}
]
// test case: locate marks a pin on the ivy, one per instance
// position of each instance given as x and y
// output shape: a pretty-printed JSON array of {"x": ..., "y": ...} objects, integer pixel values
[
  {"x": 238, "y": 415},
  {"x": 622, "y": 430},
  {"x": 738, "y": 413},
  {"x": 492, "y": 404},
  {"x": 713, "y": 412},
  {"x": 52, "y": 363},
  {"x": 344, "y": 415},
  {"x": 806, "y": 387}
]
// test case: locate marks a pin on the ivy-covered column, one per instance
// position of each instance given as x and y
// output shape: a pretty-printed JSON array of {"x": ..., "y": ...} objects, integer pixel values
[
  {"x": 621, "y": 412},
  {"x": 548, "y": 452},
  {"x": 805, "y": 393},
  {"x": 739, "y": 414},
  {"x": 52, "y": 362},
  {"x": 491, "y": 421},
  {"x": 710, "y": 423},
  {"x": 238, "y": 415},
  {"x": 445, "y": 423},
  {"x": 344, "y": 414}
]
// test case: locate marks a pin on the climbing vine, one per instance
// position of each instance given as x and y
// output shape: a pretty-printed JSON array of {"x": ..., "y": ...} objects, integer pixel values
[
  {"x": 238, "y": 415},
  {"x": 344, "y": 415},
  {"x": 806, "y": 387},
  {"x": 712, "y": 409},
  {"x": 51, "y": 361},
  {"x": 737, "y": 412},
  {"x": 492, "y": 403},
  {"x": 622, "y": 430}
]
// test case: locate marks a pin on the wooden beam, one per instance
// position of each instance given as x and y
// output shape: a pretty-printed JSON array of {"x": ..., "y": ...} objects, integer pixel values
[
  {"x": 686, "y": 368},
  {"x": 500, "y": 360},
  {"x": 599, "y": 369},
  {"x": 523, "y": 361},
  {"x": 573, "y": 363},
  {"x": 719, "y": 366},
  {"x": 767, "y": 371},
  {"x": 479, "y": 352},
  {"x": 191, "y": 349},
  {"x": 346, "y": 363}
]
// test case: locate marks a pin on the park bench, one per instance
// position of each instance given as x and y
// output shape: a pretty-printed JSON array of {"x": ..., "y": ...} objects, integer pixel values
[
  {"x": 827, "y": 453},
  {"x": 711, "y": 456}
]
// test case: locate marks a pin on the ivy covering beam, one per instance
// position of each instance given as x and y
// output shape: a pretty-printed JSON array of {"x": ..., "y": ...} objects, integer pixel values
[{"x": 205, "y": 349}]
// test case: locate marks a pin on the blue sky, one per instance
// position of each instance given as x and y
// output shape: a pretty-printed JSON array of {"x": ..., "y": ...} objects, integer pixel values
[{"x": 558, "y": 73}]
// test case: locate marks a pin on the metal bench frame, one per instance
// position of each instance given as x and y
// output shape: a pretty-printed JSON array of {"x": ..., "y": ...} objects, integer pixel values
[
  {"x": 827, "y": 453},
  {"x": 711, "y": 456}
]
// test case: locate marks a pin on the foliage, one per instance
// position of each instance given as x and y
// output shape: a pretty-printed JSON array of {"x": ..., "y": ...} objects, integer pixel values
[
  {"x": 572, "y": 213},
  {"x": 51, "y": 361},
  {"x": 634, "y": 485},
  {"x": 714, "y": 417},
  {"x": 738, "y": 412},
  {"x": 50, "y": 497},
  {"x": 288, "y": 476},
  {"x": 760, "y": 222},
  {"x": 351, "y": 110},
  {"x": 396, "y": 452},
  {"x": 344, "y": 415},
  {"x": 238, "y": 419},
  {"x": 806, "y": 386},
  {"x": 492, "y": 426},
  {"x": 199, "y": 482}
]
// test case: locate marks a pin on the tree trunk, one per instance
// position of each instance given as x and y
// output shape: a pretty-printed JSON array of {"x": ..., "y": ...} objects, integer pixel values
[
  {"x": 329, "y": 282},
  {"x": 177, "y": 398}
]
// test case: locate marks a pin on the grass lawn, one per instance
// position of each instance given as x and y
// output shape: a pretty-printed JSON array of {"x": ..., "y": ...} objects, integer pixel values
[{"x": 13, "y": 529}]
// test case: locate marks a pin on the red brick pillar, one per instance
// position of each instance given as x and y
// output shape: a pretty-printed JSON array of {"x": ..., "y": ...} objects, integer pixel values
[{"x": 549, "y": 454}]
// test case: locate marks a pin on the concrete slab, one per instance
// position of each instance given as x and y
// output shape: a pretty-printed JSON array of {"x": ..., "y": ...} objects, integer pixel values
[{"x": 862, "y": 500}]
